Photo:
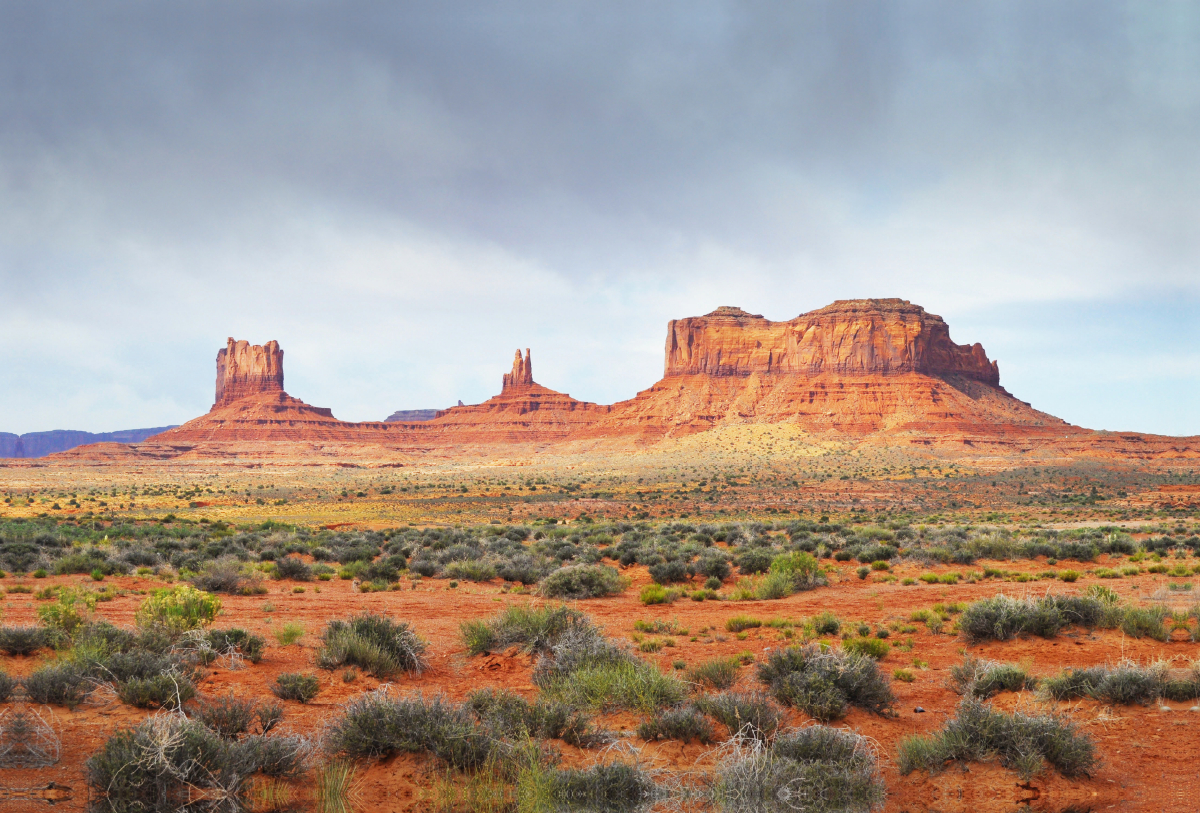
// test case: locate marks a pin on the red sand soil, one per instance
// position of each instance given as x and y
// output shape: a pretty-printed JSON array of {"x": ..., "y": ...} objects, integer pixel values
[{"x": 1148, "y": 754}]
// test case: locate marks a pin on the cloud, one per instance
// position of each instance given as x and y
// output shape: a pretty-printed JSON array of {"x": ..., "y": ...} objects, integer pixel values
[{"x": 402, "y": 194}]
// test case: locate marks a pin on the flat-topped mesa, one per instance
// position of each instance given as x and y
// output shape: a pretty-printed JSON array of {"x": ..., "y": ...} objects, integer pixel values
[
  {"x": 850, "y": 337},
  {"x": 245, "y": 369},
  {"x": 521, "y": 375}
]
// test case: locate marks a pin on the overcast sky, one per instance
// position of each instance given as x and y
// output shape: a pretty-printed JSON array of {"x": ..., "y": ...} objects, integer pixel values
[{"x": 402, "y": 196}]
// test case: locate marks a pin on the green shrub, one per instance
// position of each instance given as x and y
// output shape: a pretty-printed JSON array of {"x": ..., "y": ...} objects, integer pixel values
[
  {"x": 800, "y": 568},
  {"x": 774, "y": 585},
  {"x": 826, "y": 623},
  {"x": 166, "y": 691},
  {"x": 534, "y": 629},
  {"x": 823, "y": 682},
  {"x": 471, "y": 570},
  {"x": 982, "y": 679},
  {"x": 1002, "y": 617},
  {"x": 1068, "y": 575},
  {"x": 742, "y": 622},
  {"x": 718, "y": 673},
  {"x": 295, "y": 686},
  {"x": 750, "y": 715},
  {"x": 1146, "y": 622},
  {"x": 871, "y": 647},
  {"x": 630, "y": 684},
  {"x": 377, "y": 645},
  {"x": 1021, "y": 742},
  {"x": 378, "y": 724},
  {"x": 611, "y": 786},
  {"x": 903, "y": 675},
  {"x": 583, "y": 581},
  {"x": 657, "y": 594},
  {"x": 289, "y": 633},
  {"x": 685, "y": 724},
  {"x": 70, "y": 611},
  {"x": 176, "y": 610}
]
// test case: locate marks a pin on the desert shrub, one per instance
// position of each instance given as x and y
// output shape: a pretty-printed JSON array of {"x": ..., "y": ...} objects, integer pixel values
[
  {"x": 524, "y": 568},
  {"x": 1146, "y": 622},
  {"x": 534, "y": 629},
  {"x": 685, "y": 724},
  {"x": 378, "y": 724},
  {"x": 823, "y": 682},
  {"x": 373, "y": 643},
  {"x": 718, "y": 673},
  {"x": 294, "y": 686},
  {"x": 22, "y": 640},
  {"x": 234, "y": 639},
  {"x": 282, "y": 757},
  {"x": 802, "y": 570},
  {"x": 752, "y": 561},
  {"x": 610, "y": 786},
  {"x": 1123, "y": 684},
  {"x": 1003, "y": 617},
  {"x": 8, "y": 686},
  {"x": 166, "y": 690},
  {"x": 826, "y": 623},
  {"x": 871, "y": 647},
  {"x": 583, "y": 581},
  {"x": 175, "y": 610},
  {"x": 1021, "y": 742},
  {"x": 749, "y": 715},
  {"x": 630, "y": 684},
  {"x": 225, "y": 575},
  {"x": 472, "y": 570},
  {"x": 228, "y": 716},
  {"x": 294, "y": 568},
  {"x": 669, "y": 572},
  {"x": 742, "y": 622},
  {"x": 59, "y": 684},
  {"x": 982, "y": 678},
  {"x": 511, "y": 716},
  {"x": 585, "y": 669},
  {"x": 161, "y": 766},
  {"x": 825, "y": 770}
]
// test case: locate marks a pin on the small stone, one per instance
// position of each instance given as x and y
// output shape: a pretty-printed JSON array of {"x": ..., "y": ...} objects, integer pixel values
[
  {"x": 918, "y": 710},
  {"x": 1164, "y": 708},
  {"x": 1194, "y": 708}
]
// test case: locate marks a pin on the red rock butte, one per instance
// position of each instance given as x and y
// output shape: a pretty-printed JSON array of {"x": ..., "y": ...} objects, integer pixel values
[{"x": 862, "y": 368}]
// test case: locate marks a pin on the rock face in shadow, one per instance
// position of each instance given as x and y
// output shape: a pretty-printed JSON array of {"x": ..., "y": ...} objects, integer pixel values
[
  {"x": 40, "y": 444},
  {"x": 245, "y": 369}
]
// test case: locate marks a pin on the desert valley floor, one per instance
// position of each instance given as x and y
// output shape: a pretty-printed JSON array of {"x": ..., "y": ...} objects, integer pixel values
[{"x": 906, "y": 543}]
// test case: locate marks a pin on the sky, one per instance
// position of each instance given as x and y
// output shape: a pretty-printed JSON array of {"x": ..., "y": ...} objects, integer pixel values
[{"x": 402, "y": 194}]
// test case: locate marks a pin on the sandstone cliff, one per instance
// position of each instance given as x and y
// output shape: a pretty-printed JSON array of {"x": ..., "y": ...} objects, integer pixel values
[
  {"x": 245, "y": 369},
  {"x": 855, "y": 367},
  {"x": 850, "y": 337},
  {"x": 521, "y": 375}
]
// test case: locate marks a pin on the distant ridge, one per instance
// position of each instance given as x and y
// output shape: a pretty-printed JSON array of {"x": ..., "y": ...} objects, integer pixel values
[
  {"x": 411, "y": 415},
  {"x": 40, "y": 444}
]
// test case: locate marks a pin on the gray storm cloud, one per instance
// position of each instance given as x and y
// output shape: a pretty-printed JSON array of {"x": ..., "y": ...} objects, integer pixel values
[{"x": 399, "y": 193}]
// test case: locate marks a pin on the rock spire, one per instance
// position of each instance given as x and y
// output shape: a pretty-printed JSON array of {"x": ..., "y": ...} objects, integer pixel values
[{"x": 522, "y": 373}]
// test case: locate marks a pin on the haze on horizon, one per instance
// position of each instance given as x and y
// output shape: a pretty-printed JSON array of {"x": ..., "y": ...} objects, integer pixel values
[{"x": 401, "y": 195}]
